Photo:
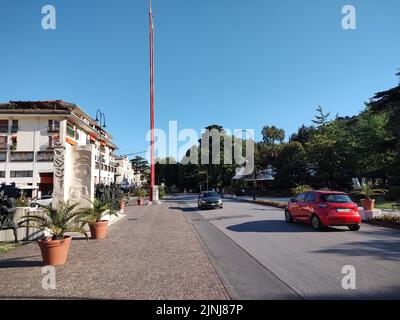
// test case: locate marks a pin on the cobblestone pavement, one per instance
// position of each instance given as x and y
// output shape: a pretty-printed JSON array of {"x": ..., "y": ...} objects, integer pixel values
[{"x": 152, "y": 253}]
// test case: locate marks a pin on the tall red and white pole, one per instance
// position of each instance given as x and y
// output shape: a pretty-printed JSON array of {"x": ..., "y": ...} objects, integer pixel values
[{"x": 152, "y": 167}]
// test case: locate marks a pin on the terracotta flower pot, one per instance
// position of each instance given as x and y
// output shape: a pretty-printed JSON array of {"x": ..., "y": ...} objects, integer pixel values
[
  {"x": 122, "y": 205},
  {"x": 368, "y": 204},
  {"x": 98, "y": 230},
  {"x": 140, "y": 202},
  {"x": 55, "y": 252}
]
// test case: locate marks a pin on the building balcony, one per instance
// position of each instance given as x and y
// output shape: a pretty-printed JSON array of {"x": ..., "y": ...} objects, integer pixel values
[
  {"x": 21, "y": 156},
  {"x": 45, "y": 156},
  {"x": 53, "y": 129}
]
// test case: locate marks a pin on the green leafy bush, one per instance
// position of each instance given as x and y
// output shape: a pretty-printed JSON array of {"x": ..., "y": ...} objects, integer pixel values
[
  {"x": 393, "y": 193},
  {"x": 19, "y": 202},
  {"x": 161, "y": 192},
  {"x": 388, "y": 218},
  {"x": 140, "y": 193},
  {"x": 272, "y": 203},
  {"x": 300, "y": 188}
]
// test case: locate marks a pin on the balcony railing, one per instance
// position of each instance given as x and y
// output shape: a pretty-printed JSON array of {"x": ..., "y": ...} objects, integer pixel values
[
  {"x": 21, "y": 156},
  {"x": 45, "y": 156},
  {"x": 53, "y": 129}
]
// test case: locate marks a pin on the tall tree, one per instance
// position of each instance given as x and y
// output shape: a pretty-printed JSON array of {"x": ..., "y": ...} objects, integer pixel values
[
  {"x": 139, "y": 164},
  {"x": 321, "y": 118},
  {"x": 291, "y": 166},
  {"x": 389, "y": 102},
  {"x": 272, "y": 134}
]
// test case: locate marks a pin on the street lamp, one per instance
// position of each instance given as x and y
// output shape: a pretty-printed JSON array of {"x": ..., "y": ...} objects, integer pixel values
[{"x": 101, "y": 120}]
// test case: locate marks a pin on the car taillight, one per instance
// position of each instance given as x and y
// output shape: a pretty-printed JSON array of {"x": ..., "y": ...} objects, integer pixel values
[{"x": 323, "y": 205}]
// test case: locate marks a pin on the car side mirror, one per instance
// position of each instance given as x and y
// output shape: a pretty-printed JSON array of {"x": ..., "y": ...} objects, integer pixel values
[{"x": 293, "y": 200}]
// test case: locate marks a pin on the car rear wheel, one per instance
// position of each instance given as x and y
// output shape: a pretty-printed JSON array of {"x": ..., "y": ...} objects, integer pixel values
[
  {"x": 316, "y": 223},
  {"x": 354, "y": 227},
  {"x": 288, "y": 217}
]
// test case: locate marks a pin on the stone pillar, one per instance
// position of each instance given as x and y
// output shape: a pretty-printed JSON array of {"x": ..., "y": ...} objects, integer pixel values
[
  {"x": 155, "y": 195},
  {"x": 73, "y": 174}
]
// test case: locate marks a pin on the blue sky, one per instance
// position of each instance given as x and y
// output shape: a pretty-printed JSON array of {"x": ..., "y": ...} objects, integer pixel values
[{"x": 238, "y": 63}]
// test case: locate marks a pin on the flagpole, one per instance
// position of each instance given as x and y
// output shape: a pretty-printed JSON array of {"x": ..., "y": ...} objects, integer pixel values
[{"x": 152, "y": 167}]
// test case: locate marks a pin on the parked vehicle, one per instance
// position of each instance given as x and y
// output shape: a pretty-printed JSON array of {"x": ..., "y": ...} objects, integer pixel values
[
  {"x": 45, "y": 200},
  {"x": 209, "y": 200},
  {"x": 323, "y": 209}
]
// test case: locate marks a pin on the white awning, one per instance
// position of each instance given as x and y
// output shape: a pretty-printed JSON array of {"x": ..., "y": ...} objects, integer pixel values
[{"x": 240, "y": 174}]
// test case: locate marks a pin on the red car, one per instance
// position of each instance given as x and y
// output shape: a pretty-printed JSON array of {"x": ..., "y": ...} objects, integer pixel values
[{"x": 323, "y": 209}]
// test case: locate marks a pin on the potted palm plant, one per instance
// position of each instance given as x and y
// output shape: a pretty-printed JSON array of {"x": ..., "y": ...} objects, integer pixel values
[
  {"x": 93, "y": 216},
  {"x": 141, "y": 193},
  {"x": 57, "y": 221},
  {"x": 122, "y": 202},
  {"x": 368, "y": 190}
]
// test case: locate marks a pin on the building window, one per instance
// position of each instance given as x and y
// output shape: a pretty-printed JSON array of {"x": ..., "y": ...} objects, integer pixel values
[
  {"x": 45, "y": 156},
  {"x": 21, "y": 174},
  {"x": 54, "y": 126},
  {"x": 70, "y": 130},
  {"x": 3, "y": 156},
  {"x": 3, "y": 142},
  {"x": 4, "y": 126},
  {"x": 2, "y": 174},
  {"x": 14, "y": 126},
  {"x": 21, "y": 156}
]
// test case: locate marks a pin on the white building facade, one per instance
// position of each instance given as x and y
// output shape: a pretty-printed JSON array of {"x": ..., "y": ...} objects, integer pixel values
[
  {"x": 125, "y": 175},
  {"x": 29, "y": 131}
]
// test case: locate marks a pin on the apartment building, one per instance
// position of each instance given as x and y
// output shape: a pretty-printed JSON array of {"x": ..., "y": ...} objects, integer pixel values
[
  {"x": 125, "y": 175},
  {"x": 29, "y": 131}
]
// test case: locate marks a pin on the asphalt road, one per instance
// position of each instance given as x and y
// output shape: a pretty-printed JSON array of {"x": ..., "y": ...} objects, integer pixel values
[{"x": 259, "y": 256}]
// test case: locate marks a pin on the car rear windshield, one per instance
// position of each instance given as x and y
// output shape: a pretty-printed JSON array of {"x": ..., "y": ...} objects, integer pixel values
[
  {"x": 210, "y": 194},
  {"x": 336, "y": 198}
]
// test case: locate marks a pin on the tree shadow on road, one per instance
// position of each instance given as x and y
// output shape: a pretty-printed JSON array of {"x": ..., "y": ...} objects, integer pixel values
[
  {"x": 20, "y": 263},
  {"x": 276, "y": 226},
  {"x": 386, "y": 249},
  {"x": 184, "y": 209}
]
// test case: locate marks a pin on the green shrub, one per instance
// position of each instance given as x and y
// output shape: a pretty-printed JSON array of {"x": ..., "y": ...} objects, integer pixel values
[
  {"x": 300, "y": 188},
  {"x": 272, "y": 203},
  {"x": 19, "y": 202},
  {"x": 388, "y": 218},
  {"x": 161, "y": 192},
  {"x": 140, "y": 193},
  {"x": 393, "y": 193}
]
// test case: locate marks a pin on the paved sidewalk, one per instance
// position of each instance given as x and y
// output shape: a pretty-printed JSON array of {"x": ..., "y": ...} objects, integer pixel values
[{"x": 152, "y": 253}]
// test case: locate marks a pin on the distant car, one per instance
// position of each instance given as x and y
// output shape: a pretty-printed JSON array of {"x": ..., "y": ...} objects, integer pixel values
[
  {"x": 209, "y": 200},
  {"x": 323, "y": 209},
  {"x": 45, "y": 200}
]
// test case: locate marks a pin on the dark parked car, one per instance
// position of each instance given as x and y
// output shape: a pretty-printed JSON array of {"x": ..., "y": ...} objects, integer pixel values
[{"x": 209, "y": 200}]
